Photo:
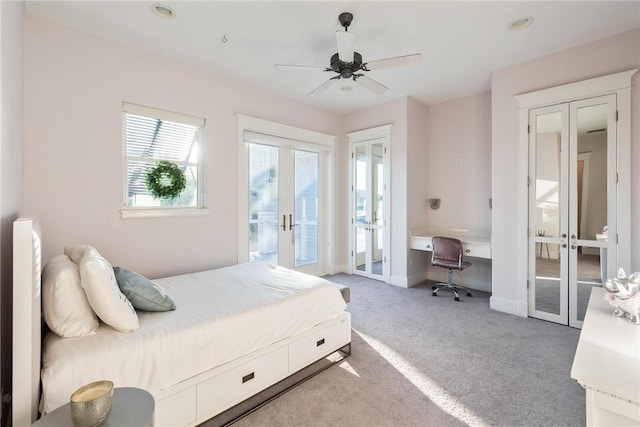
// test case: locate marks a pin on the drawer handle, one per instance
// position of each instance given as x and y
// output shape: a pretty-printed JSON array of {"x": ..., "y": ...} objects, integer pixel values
[
  {"x": 248, "y": 377},
  {"x": 466, "y": 251},
  {"x": 319, "y": 343}
]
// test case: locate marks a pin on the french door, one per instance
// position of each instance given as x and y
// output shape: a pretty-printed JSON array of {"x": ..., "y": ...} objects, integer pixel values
[
  {"x": 572, "y": 206},
  {"x": 286, "y": 189},
  {"x": 370, "y": 209}
]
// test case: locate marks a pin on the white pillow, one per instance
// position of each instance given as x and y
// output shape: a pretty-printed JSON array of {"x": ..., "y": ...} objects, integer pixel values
[
  {"x": 64, "y": 302},
  {"x": 99, "y": 283},
  {"x": 75, "y": 252}
]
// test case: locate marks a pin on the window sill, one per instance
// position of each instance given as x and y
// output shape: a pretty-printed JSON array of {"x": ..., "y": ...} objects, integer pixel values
[{"x": 164, "y": 212}]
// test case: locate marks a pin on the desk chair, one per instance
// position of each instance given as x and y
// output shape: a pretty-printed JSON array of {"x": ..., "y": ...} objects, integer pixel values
[{"x": 447, "y": 253}]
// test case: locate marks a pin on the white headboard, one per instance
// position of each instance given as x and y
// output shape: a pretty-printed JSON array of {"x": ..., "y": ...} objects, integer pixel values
[{"x": 27, "y": 323}]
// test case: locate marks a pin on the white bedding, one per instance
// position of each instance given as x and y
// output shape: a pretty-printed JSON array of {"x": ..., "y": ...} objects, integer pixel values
[{"x": 220, "y": 315}]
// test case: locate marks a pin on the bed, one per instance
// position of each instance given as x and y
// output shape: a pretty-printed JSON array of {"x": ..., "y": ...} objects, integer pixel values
[{"x": 237, "y": 333}]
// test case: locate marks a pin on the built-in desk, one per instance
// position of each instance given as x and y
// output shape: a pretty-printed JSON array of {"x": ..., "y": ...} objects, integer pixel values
[
  {"x": 475, "y": 243},
  {"x": 607, "y": 365}
]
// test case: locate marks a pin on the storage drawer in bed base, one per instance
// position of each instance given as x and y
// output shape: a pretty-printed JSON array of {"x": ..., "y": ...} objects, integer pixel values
[{"x": 213, "y": 393}]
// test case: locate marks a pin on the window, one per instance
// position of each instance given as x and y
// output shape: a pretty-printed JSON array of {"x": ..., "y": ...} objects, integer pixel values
[{"x": 151, "y": 136}]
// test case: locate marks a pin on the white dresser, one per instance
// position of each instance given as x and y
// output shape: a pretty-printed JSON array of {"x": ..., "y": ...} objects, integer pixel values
[{"x": 607, "y": 365}]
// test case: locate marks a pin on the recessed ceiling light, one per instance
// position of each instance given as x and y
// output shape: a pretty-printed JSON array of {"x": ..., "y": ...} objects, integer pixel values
[
  {"x": 520, "y": 23},
  {"x": 163, "y": 11}
]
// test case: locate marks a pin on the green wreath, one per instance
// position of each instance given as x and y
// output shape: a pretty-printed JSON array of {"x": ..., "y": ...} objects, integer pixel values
[{"x": 165, "y": 180}]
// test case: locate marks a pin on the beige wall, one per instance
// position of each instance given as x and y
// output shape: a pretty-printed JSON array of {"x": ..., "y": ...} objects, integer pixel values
[
  {"x": 11, "y": 135},
  {"x": 606, "y": 56},
  {"x": 453, "y": 164},
  {"x": 75, "y": 86}
]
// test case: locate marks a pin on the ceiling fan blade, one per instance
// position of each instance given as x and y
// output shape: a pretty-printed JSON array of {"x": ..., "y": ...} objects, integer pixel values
[
  {"x": 393, "y": 62},
  {"x": 373, "y": 85},
  {"x": 324, "y": 86},
  {"x": 346, "y": 43},
  {"x": 300, "y": 66}
]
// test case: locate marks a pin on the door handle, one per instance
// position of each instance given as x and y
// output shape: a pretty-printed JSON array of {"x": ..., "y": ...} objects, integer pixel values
[
  {"x": 291, "y": 224},
  {"x": 564, "y": 245},
  {"x": 284, "y": 223}
]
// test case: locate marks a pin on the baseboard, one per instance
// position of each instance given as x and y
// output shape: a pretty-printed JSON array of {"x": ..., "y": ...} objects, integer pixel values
[
  {"x": 338, "y": 269},
  {"x": 507, "y": 306},
  {"x": 400, "y": 281},
  {"x": 416, "y": 279}
]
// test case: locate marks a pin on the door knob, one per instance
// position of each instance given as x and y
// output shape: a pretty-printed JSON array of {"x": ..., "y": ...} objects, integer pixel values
[{"x": 564, "y": 245}]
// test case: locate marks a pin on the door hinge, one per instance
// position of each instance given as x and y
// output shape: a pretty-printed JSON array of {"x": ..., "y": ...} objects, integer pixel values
[
  {"x": 385, "y": 259},
  {"x": 385, "y": 150},
  {"x": 352, "y": 155},
  {"x": 616, "y": 115},
  {"x": 617, "y": 178},
  {"x": 351, "y": 253},
  {"x": 528, "y": 129},
  {"x": 527, "y": 283},
  {"x": 528, "y": 181},
  {"x": 617, "y": 238},
  {"x": 528, "y": 232}
]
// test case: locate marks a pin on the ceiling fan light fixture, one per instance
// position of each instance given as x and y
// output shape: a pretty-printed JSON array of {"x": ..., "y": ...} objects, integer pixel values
[
  {"x": 346, "y": 43},
  {"x": 163, "y": 11},
  {"x": 520, "y": 23}
]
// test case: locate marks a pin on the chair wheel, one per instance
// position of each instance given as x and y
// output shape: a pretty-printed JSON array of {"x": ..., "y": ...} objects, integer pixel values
[
  {"x": 457, "y": 299},
  {"x": 434, "y": 294},
  {"x": 433, "y": 288},
  {"x": 468, "y": 294}
]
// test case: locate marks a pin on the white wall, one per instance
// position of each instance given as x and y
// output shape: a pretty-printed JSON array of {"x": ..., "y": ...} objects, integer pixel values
[
  {"x": 606, "y": 56},
  {"x": 11, "y": 135},
  {"x": 75, "y": 84}
]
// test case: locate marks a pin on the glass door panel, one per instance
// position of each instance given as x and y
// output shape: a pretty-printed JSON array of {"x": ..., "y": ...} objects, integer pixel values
[
  {"x": 361, "y": 207},
  {"x": 377, "y": 221},
  {"x": 548, "y": 281},
  {"x": 263, "y": 203},
  {"x": 593, "y": 186},
  {"x": 305, "y": 223}
]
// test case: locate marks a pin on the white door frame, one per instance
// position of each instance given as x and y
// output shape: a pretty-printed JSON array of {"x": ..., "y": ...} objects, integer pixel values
[
  {"x": 297, "y": 136},
  {"x": 377, "y": 134},
  {"x": 619, "y": 84}
]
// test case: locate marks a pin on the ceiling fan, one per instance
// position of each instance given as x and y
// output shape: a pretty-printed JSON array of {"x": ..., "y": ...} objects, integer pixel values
[{"x": 348, "y": 63}]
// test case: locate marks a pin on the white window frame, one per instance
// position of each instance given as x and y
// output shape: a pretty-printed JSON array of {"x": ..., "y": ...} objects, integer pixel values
[{"x": 163, "y": 211}]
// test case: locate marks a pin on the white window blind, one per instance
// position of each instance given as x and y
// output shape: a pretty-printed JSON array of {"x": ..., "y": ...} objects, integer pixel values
[{"x": 152, "y": 135}]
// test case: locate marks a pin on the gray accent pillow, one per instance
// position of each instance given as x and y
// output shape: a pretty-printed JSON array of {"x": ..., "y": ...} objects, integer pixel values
[{"x": 142, "y": 292}]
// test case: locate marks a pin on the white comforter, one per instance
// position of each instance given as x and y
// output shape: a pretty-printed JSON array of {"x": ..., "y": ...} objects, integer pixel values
[{"x": 220, "y": 315}]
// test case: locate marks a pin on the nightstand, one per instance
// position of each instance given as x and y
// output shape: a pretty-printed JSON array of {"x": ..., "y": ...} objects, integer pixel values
[{"x": 132, "y": 407}]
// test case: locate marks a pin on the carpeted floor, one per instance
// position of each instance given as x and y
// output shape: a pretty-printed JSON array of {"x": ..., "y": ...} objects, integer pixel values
[{"x": 419, "y": 360}]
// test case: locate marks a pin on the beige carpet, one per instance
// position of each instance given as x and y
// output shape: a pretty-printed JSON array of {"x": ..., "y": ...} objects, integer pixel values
[{"x": 419, "y": 360}]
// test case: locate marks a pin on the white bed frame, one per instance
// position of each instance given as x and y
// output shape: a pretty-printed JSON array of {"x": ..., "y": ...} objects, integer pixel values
[{"x": 188, "y": 403}]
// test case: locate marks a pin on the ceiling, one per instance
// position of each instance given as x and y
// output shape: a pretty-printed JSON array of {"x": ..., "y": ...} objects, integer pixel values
[{"x": 461, "y": 42}]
